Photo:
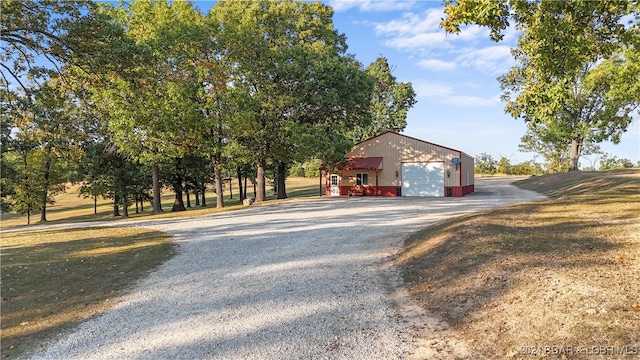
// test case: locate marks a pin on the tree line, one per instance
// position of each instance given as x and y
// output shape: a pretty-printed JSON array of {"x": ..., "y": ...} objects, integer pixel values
[
  {"x": 486, "y": 164},
  {"x": 132, "y": 97}
]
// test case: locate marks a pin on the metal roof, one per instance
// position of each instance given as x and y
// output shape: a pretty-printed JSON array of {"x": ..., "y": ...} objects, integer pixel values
[{"x": 363, "y": 163}]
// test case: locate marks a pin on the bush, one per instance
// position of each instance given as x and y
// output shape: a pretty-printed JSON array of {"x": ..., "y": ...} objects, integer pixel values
[
  {"x": 296, "y": 170},
  {"x": 312, "y": 168}
]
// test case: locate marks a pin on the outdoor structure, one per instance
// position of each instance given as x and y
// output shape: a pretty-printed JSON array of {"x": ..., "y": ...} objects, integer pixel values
[{"x": 392, "y": 164}]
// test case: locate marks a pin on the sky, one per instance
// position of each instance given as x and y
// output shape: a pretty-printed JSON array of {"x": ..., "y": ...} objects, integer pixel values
[{"x": 454, "y": 77}]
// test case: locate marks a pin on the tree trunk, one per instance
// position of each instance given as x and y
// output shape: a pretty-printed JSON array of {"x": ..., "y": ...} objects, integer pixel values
[
  {"x": 241, "y": 194},
  {"x": 217, "y": 177},
  {"x": 282, "y": 191},
  {"x": 204, "y": 199},
  {"x": 116, "y": 211},
  {"x": 45, "y": 186},
  {"x": 261, "y": 190},
  {"x": 576, "y": 150},
  {"x": 95, "y": 204},
  {"x": 186, "y": 192},
  {"x": 178, "y": 188},
  {"x": 25, "y": 178},
  {"x": 137, "y": 200},
  {"x": 178, "y": 202},
  {"x": 196, "y": 194},
  {"x": 157, "y": 205},
  {"x": 125, "y": 206},
  {"x": 245, "y": 187}
]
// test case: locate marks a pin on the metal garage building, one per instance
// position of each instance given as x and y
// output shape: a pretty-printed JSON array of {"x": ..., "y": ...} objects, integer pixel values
[{"x": 393, "y": 164}]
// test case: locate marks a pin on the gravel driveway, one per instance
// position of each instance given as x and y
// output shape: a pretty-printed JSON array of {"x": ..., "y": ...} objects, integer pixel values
[{"x": 307, "y": 279}]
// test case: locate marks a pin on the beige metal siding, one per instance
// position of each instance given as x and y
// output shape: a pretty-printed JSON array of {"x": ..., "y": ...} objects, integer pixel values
[
  {"x": 467, "y": 170},
  {"x": 396, "y": 149}
]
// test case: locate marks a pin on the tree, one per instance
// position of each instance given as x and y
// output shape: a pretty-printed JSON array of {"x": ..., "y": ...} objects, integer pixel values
[
  {"x": 197, "y": 175},
  {"x": 30, "y": 29},
  {"x": 547, "y": 141},
  {"x": 579, "y": 69},
  {"x": 144, "y": 84},
  {"x": 291, "y": 62},
  {"x": 526, "y": 168},
  {"x": 543, "y": 140},
  {"x": 9, "y": 177},
  {"x": 222, "y": 107},
  {"x": 504, "y": 166},
  {"x": 112, "y": 175},
  {"x": 390, "y": 102},
  {"x": 608, "y": 162},
  {"x": 588, "y": 108},
  {"x": 37, "y": 38},
  {"x": 485, "y": 164},
  {"x": 44, "y": 132}
]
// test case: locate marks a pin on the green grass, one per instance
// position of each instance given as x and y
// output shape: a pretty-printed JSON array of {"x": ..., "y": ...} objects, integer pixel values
[
  {"x": 560, "y": 272},
  {"x": 54, "y": 279}
]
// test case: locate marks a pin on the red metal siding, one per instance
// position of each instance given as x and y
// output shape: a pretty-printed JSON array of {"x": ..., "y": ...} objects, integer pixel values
[
  {"x": 458, "y": 191},
  {"x": 370, "y": 190}
]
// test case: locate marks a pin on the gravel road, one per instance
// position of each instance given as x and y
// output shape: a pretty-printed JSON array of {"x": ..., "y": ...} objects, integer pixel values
[{"x": 307, "y": 279}]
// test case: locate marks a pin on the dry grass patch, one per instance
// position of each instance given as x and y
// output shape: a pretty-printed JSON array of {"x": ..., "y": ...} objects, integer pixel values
[
  {"x": 69, "y": 207},
  {"x": 54, "y": 279},
  {"x": 558, "y": 273}
]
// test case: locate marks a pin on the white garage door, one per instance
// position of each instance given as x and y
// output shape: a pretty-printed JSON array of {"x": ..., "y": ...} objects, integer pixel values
[{"x": 423, "y": 179}]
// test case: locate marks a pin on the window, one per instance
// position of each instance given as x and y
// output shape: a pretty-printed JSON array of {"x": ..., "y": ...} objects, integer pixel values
[
  {"x": 362, "y": 179},
  {"x": 334, "y": 180}
]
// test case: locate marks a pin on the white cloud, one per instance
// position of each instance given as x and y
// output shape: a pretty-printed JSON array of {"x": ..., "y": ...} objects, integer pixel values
[
  {"x": 371, "y": 5},
  {"x": 419, "y": 41},
  {"x": 445, "y": 94},
  {"x": 431, "y": 89},
  {"x": 420, "y": 34},
  {"x": 493, "y": 60},
  {"x": 419, "y": 31},
  {"x": 436, "y": 65},
  {"x": 412, "y": 24},
  {"x": 471, "y": 33},
  {"x": 471, "y": 101},
  {"x": 490, "y": 60}
]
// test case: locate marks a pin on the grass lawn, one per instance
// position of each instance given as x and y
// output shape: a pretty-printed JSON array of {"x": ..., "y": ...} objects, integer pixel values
[
  {"x": 53, "y": 279},
  {"x": 563, "y": 272},
  {"x": 69, "y": 207}
]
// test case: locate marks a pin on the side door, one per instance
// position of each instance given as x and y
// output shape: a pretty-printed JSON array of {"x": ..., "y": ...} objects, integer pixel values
[{"x": 334, "y": 185}]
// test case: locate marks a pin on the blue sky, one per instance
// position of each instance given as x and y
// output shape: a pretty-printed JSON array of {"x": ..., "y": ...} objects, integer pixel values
[{"x": 454, "y": 77}]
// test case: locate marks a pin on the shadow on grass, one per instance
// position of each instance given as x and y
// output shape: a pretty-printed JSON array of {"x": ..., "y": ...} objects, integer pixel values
[
  {"x": 459, "y": 266},
  {"x": 54, "y": 279},
  {"x": 624, "y": 181}
]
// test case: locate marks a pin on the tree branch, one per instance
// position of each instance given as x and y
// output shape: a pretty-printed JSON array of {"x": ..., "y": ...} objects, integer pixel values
[{"x": 14, "y": 76}]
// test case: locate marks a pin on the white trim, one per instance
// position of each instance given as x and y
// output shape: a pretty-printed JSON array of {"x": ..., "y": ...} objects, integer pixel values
[
  {"x": 334, "y": 185},
  {"x": 360, "y": 179}
]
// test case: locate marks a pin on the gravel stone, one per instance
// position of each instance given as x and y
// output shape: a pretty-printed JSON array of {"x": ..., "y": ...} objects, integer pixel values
[{"x": 303, "y": 279}]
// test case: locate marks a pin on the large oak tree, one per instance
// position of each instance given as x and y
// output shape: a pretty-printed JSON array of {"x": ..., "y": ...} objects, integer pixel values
[
  {"x": 578, "y": 70},
  {"x": 294, "y": 67}
]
